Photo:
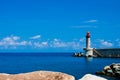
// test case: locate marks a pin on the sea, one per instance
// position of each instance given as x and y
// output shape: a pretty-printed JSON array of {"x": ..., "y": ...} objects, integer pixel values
[{"x": 14, "y": 63}]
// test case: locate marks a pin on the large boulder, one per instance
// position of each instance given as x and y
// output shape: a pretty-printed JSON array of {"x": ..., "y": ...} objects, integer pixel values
[
  {"x": 112, "y": 70},
  {"x": 116, "y": 69},
  {"x": 106, "y": 68},
  {"x": 38, "y": 75},
  {"x": 91, "y": 77}
]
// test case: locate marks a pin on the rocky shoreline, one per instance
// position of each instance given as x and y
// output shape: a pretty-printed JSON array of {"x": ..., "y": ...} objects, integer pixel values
[
  {"x": 112, "y": 70},
  {"x": 46, "y": 75}
]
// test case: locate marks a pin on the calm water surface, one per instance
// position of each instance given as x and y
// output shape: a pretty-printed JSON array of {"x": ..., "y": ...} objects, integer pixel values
[{"x": 62, "y": 62}]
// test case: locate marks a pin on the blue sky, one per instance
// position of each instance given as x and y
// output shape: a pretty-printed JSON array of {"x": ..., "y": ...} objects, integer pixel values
[{"x": 58, "y": 25}]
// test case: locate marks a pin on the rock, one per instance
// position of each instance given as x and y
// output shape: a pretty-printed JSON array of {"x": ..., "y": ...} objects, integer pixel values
[
  {"x": 38, "y": 75},
  {"x": 91, "y": 77},
  {"x": 78, "y": 54},
  {"x": 100, "y": 73},
  {"x": 115, "y": 69},
  {"x": 112, "y": 70},
  {"x": 107, "y": 68}
]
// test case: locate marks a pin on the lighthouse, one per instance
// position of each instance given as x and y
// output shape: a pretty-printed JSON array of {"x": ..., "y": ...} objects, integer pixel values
[
  {"x": 88, "y": 40},
  {"x": 88, "y": 49}
]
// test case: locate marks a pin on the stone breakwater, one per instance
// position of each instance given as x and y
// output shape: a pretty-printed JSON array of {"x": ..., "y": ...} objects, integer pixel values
[
  {"x": 37, "y": 75},
  {"x": 112, "y": 70}
]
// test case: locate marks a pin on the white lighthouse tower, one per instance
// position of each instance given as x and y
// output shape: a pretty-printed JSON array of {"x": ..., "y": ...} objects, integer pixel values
[{"x": 88, "y": 49}]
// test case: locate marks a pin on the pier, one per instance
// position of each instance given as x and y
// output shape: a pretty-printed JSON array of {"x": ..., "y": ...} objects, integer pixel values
[{"x": 106, "y": 52}]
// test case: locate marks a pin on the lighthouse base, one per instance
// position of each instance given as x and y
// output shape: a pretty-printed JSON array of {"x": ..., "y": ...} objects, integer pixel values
[{"x": 89, "y": 52}]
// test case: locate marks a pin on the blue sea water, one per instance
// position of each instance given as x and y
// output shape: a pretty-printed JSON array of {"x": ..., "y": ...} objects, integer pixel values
[{"x": 14, "y": 63}]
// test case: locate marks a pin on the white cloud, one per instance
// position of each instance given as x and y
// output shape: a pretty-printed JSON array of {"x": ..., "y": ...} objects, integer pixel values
[
  {"x": 15, "y": 38},
  {"x": 14, "y": 42},
  {"x": 85, "y": 26},
  {"x": 117, "y": 39},
  {"x": 37, "y": 44},
  {"x": 74, "y": 45},
  {"x": 106, "y": 43},
  {"x": 36, "y": 37},
  {"x": 11, "y": 38},
  {"x": 118, "y": 42},
  {"x": 82, "y": 39},
  {"x": 22, "y": 43},
  {"x": 40, "y": 44},
  {"x": 91, "y": 21},
  {"x": 57, "y": 43},
  {"x": 44, "y": 43}
]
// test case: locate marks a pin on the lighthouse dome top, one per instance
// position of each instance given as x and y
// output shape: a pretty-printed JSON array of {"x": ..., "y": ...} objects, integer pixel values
[{"x": 88, "y": 35}]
